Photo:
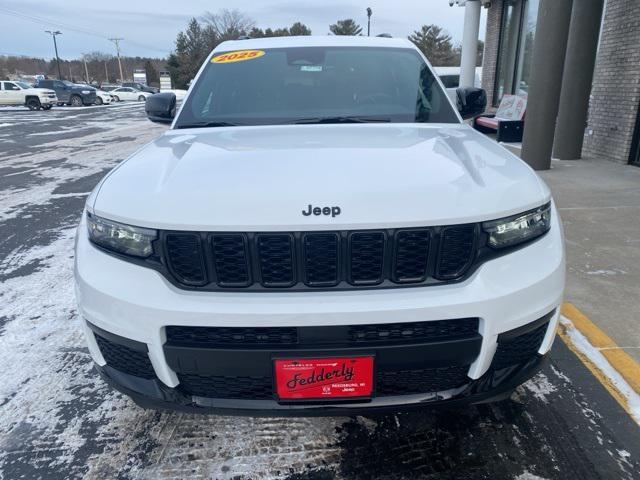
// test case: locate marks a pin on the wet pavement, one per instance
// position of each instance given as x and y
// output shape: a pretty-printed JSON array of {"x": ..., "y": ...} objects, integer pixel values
[{"x": 59, "y": 420}]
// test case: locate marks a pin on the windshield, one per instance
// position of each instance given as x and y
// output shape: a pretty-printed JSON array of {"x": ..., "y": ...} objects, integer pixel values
[
  {"x": 315, "y": 85},
  {"x": 68, "y": 83},
  {"x": 23, "y": 85}
]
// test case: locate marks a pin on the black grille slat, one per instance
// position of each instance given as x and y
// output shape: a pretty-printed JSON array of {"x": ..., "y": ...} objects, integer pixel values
[
  {"x": 276, "y": 258},
  {"x": 231, "y": 260},
  {"x": 351, "y": 335},
  {"x": 427, "y": 380},
  {"x": 229, "y": 336},
  {"x": 411, "y": 256},
  {"x": 321, "y": 254},
  {"x": 215, "y": 386},
  {"x": 185, "y": 258},
  {"x": 519, "y": 349},
  {"x": 125, "y": 359},
  {"x": 456, "y": 251},
  {"x": 414, "y": 331},
  {"x": 366, "y": 251}
]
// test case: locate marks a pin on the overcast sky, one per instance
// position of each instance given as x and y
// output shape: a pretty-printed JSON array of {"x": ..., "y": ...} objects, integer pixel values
[{"x": 149, "y": 28}]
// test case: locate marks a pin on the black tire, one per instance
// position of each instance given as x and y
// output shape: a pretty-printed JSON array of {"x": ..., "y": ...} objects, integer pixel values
[
  {"x": 60, "y": 104},
  {"x": 75, "y": 101},
  {"x": 33, "y": 104},
  {"x": 47, "y": 107},
  {"x": 142, "y": 98},
  {"x": 116, "y": 98},
  {"x": 98, "y": 101}
]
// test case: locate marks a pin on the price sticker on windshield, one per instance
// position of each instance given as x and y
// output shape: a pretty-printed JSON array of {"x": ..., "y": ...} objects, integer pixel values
[{"x": 237, "y": 56}]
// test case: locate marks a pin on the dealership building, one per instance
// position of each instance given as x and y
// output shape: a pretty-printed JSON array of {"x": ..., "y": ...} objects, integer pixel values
[{"x": 578, "y": 62}]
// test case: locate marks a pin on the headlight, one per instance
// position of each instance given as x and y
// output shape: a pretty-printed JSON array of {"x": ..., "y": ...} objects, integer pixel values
[
  {"x": 520, "y": 228},
  {"x": 121, "y": 238},
  {"x": 86, "y": 92}
]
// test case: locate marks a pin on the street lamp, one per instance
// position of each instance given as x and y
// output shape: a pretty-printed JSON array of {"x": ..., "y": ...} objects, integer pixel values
[
  {"x": 55, "y": 46},
  {"x": 369, "y": 12}
]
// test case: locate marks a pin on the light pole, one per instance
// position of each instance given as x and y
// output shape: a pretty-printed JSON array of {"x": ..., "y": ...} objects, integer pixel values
[
  {"x": 117, "y": 43},
  {"x": 55, "y": 46},
  {"x": 369, "y": 12}
]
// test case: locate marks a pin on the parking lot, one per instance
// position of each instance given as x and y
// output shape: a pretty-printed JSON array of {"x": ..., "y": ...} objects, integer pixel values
[{"x": 58, "y": 419}]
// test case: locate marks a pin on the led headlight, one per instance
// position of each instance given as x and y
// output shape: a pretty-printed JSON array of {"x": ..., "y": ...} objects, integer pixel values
[
  {"x": 86, "y": 92},
  {"x": 520, "y": 228},
  {"x": 121, "y": 238}
]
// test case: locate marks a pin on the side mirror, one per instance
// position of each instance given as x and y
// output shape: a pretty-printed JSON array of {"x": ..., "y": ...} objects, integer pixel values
[
  {"x": 471, "y": 101},
  {"x": 161, "y": 107}
]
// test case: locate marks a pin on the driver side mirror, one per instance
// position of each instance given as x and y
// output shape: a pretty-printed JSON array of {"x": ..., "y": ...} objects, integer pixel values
[
  {"x": 161, "y": 107},
  {"x": 471, "y": 101}
]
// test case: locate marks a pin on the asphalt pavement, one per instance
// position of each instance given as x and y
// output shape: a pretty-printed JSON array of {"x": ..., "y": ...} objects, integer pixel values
[{"x": 58, "y": 420}]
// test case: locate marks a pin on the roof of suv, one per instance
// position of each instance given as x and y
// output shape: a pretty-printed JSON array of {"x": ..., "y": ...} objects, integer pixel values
[{"x": 314, "y": 41}]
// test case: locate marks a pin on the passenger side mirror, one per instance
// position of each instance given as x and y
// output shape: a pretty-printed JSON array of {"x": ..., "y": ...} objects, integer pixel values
[
  {"x": 471, "y": 101},
  {"x": 161, "y": 107}
]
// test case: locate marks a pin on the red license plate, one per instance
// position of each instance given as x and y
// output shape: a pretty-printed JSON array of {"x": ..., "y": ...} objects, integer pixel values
[{"x": 324, "y": 378}]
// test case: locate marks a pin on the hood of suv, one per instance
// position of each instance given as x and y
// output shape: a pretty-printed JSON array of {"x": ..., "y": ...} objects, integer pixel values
[{"x": 264, "y": 178}]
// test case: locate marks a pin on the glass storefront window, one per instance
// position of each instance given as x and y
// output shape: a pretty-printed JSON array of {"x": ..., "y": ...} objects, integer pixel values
[{"x": 517, "y": 35}]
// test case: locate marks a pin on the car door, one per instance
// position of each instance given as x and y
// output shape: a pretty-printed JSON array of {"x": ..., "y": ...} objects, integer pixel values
[
  {"x": 129, "y": 93},
  {"x": 13, "y": 94},
  {"x": 62, "y": 91}
]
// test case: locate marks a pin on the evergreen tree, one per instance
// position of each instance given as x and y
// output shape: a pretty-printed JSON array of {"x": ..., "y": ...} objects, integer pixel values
[
  {"x": 436, "y": 45},
  {"x": 345, "y": 27}
]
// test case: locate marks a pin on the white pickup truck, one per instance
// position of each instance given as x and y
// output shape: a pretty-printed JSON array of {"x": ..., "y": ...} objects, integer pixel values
[{"x": 21, "y": 93}]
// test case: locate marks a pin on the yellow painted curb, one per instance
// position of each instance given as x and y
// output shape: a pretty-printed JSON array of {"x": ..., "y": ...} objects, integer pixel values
[{"x": 620, "y": 360}]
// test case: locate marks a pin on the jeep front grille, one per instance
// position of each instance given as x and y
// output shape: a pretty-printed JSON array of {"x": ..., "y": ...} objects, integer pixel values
[{"x": 317, "y": 260}]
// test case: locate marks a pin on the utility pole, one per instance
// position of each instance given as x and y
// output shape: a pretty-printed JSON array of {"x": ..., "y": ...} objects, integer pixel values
[
  {"x": 70, "y": 74},
  {"x": 369, "y": 13},
  {"x": 117, "y": 43},
  {"x": 106, "y": 72},
  {"x": 86, "y": 70},
  {"x": 55, "y": 46}
]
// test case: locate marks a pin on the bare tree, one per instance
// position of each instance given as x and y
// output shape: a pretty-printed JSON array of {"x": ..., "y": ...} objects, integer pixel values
[{"x": 228, "y": 24}]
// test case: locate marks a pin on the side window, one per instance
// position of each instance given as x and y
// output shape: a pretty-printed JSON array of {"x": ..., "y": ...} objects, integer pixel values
[
  {"x": 58, "y": 84},
  {"x": 10, "y": 86},
  {"x": 450, "y": 81}
]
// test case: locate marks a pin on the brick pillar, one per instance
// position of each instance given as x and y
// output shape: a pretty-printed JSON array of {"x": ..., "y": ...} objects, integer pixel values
[{"x": 615, "y": 93}]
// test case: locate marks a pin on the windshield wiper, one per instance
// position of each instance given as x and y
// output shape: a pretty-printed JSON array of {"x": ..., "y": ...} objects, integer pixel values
[
  {"x": 209, "y": 124},
  {"x": 340, "y": 120}
]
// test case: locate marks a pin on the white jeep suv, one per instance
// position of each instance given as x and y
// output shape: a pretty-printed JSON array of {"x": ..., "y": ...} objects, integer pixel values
[{"x": 318, "y": 233}]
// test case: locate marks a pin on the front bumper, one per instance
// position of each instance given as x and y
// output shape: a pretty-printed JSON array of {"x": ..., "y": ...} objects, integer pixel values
[{"x": 137, "y": 304}]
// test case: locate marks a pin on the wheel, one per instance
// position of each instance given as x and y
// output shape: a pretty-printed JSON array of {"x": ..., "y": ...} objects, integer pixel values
[
  {"x": 76, "y": 101},
  {"x": 47, "y": 107},
  {"x": 33, "y": 104},
  {"x": 116, "y": 98},
  {"x": 60, "y": 104},
  {"x": 142, "y": 98},
  {"x": 98, "y": 101}
]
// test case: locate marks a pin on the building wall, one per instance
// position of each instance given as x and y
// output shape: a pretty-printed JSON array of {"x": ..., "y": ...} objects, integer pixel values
[
  {"x": 615, "y": 94},
  {"x": 491, "y": 43}
]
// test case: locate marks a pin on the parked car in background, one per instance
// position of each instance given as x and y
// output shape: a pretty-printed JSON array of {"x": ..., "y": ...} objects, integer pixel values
[
  {"x": 142, "y": 87},
  {"x": 129, "y": 93},
  {"x": 450, "y": 77},
  {"x": 21, "y": 93},
  {"x": 103, "y": 98},
  {"x": 70, "y": 93},
  {"x": 108, "y": 87}
]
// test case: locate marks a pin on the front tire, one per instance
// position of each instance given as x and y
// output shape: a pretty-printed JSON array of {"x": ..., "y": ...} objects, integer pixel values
[
  {"x": 76, "y": 101},
  {"x": 33, "y": 104},
  {"x": 142, "y": 98},
  {"x": 47, "y": 107},
  {"x": 99, "y": 101},
  {"x": 116, "y": 98}
]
